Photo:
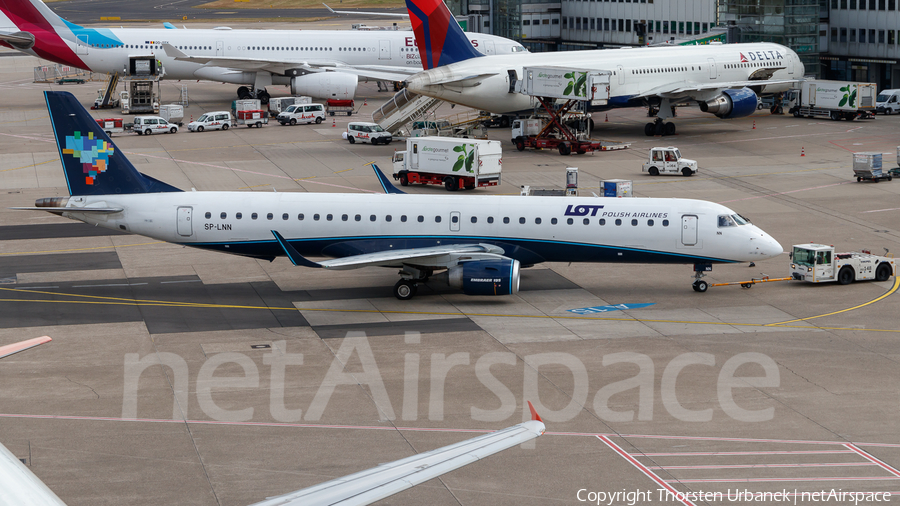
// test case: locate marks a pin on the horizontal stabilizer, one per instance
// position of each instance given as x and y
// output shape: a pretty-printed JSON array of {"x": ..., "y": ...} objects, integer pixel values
[
  {"x": 367, "y": 13},
  {"x": 18, "y": 40},
  {"x": 57, "y": 210}
]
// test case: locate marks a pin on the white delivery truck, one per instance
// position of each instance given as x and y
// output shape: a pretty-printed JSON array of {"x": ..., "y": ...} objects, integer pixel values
[
  {"x": 455, "y": 163},
  {"x": 818, "y": 263},
  {"x": 668, "y": 161},
  {"x": 837, "y": 100},
  {"x": 888, "y": 102}
]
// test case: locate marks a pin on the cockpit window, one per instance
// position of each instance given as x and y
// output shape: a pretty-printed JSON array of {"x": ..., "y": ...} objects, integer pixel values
[
  {"x": 740, "y": 219},
  {"x": 726, "y": 221},
  {"x": 519, "y": 49}
]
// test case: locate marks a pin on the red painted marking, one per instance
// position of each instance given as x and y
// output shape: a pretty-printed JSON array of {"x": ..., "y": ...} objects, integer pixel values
[
  {"x": 776, "y": 452},
  {"x": 647, "y": 472},
  {"x": 754, "y": 466},
  {"x": 872, "y": 459},
  {"x": 756, "y": 480}
]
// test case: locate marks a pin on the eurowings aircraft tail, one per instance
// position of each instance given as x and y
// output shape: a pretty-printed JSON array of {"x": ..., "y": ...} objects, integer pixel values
[
  {"x": 92, "y": 163},
  {"x": 29, "y": 24},
  {"x": 440, "y": 39}
]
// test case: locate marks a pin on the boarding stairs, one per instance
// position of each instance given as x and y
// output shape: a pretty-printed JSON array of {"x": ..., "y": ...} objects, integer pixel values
[
  {"x": 111, "y": 85},
  {"x": 402, "y": 108}
]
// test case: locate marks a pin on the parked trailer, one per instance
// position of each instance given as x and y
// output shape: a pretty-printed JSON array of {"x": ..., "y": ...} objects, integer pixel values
[
  {"x": 173, "y": 113},
  {"x": 455, "y": 163},
  {"x": 867, "y": 167},
  {"x": 818, "y": 263},
  {"x": 334, "y": 105},
  {"x": 111, "y": 125},
  {"x": 836, "y": 100},
  {"x": 252, "y": 118},
  {"x": 278, "y": 104}
]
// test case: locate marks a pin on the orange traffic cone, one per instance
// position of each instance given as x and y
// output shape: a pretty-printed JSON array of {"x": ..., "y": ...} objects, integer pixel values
[
  {"x": 607, "y": 119},
  {"x": 754, "y": 125},
  {"x": 333, "y": 123},
  {"x": 366, "y": 101},
  {"x": 802, "y": 151}
]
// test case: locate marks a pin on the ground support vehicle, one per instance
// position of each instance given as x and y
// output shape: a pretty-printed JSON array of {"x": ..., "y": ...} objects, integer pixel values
[
  {"x": 146, "y": 125},
  {"x": 302, "y": 113},
  {"x": 668, "y": 161},
  {"x": 818, "y": 263},
  {"x": 216, "y": 120},
  {"x": 867, "y": 167},
  {"x": 334, "y": 105},
  {"x": 564, "y": 129},
  {"x": 888, "y": 102},
  {"x": 489, "y": 119},
  {"x": 111, "y": 125},
  {"x": 361, "y": 131},
  {"x": 455, "y": 163},
  {"x": 837, "y": 100},
  {"x": 276, "y": 105},
  {"x": 252, "y": 118}
]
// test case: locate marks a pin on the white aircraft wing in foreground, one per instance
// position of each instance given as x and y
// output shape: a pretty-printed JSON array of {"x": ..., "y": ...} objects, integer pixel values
[{"x": 385, "y": 480}]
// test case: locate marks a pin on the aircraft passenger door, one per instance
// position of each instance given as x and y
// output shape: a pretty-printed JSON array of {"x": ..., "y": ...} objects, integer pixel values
[
  {"x": 81, "y": 46},
  {"x": 790, "y": 66},
  {"x": 384, "y": 50},
  {"x": 454, "y": 221},
  {"x": 220, "y": 48},
  {"x": 184, "y": 221},
  {"x": 489, "y": 47},
  {"x": 689, "y": 230},
  {"x": 713, "y": 73},
  {"x": 621, "y": 73}
]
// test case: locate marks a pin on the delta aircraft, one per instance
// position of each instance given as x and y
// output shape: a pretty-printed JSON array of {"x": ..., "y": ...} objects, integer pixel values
[
  {"x": 481, "y": 242},
  {"x": 324, "y": 64},
  {"x": 724, "y": 80},
  {"x": 19, "y": 486}
]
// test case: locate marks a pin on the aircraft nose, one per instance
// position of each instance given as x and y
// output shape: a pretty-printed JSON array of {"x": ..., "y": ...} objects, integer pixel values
[{"x": 768, "y": 247}]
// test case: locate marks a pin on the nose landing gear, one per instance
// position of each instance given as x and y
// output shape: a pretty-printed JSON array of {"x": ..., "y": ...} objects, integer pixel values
[{"x": 700, "y": 271}]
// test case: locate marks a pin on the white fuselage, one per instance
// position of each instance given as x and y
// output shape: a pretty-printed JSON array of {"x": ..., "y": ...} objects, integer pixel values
[
  {"x": 636, "y": 72},
  {"x": 529, "y": 229},
  {"x": 109, "y": 50}
]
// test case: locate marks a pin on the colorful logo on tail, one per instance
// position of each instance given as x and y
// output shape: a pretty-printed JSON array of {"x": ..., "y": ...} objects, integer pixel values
[
  {"x": 93, "y": 154},
  {"x": 439, "y": 37}
]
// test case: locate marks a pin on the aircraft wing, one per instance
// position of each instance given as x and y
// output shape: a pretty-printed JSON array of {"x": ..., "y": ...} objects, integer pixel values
[
  {"x": 11, "y": 349},
  {"x": 681, "y": 89},
  {"x": 385, "y": 480},
  {"x": 280, "y": 67},
  {"x": 385, "y": 14},
  {"x": 436, "y": 256}
]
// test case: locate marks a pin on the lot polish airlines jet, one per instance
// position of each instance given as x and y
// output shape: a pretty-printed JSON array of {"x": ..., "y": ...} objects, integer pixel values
[
  {"x": 20, "y": 487},
  {"x": 480, "y": 241},
  {"x": 324, "y": 64},
  {"x": 724, "y": 79}
]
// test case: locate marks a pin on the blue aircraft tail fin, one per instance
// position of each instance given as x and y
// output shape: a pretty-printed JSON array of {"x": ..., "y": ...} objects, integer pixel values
[
  {"x": 440, "y": 39},
  {"x": 92, "y": 163}
]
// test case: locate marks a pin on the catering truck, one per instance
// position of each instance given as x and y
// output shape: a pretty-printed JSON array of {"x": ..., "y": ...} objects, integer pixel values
[
  {"x": 836, "y": 100},
  {"x": 818, "y": 263},
  {"x": 454, "y": 163}
]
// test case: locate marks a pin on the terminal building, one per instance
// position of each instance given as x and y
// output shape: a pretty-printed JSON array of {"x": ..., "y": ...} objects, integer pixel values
[{"x": 856, "y": 40}]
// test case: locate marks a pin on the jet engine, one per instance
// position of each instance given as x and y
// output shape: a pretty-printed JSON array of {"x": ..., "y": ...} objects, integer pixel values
[
  {"x": 486, "y": 277},
  {"x": 731, "y": 104},
  {"x": 326, "y": 85}
]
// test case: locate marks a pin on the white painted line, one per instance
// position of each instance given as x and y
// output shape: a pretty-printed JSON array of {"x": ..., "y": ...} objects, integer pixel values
[
  {"x": 872, "y": 459},
  {"x": 754, "y": 466},
  {"x": 775, "y": 452},
  {"x": 647, "y": 472}
]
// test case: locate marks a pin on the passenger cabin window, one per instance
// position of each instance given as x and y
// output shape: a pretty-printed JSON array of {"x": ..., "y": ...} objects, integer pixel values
[
  {"x": 553, "y": 221},
  {"x": 238, "y": 215},
  {"x": 300, "y": 217},
  {"x": 223, "y": 215},
  {"x": 208, "y": 215},
  {"x": 254, "y": 216},
  {"x": 270, "y": 216},
  {"x": 284, "y": 216},
  {"x": 490, "y": 219},
  {"x": 403, "y": 218}
]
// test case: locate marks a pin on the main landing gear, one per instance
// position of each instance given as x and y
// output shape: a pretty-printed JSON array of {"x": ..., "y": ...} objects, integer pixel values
[
  {"x": 659, "y": 127},
  {"x": 245, "y": 92},
  {"x": 700, "y": 271},
  {"x": 407, "y": 287}
]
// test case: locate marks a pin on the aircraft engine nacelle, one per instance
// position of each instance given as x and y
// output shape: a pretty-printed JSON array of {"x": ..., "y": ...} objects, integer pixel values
[
  {"x": 486, "y": 277},
  {"x": 326, "y": 85},
  {"x": 732, "y": 104}
]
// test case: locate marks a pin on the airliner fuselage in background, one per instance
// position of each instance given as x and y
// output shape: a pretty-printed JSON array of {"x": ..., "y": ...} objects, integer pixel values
[
  {"x": 481, "y": 241},
  {"x": 725, "y": 79},
  {"x": 255, "y": 58}
]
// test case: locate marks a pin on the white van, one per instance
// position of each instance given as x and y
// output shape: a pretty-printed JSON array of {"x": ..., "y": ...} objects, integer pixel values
[
  {"x": 302, "y": 113},
  {"x": 361, "y": 131},
  {"x": 216, "y": 120},
  {"x": 888, "y": 102},
  {"x": 153, "y": 125}
]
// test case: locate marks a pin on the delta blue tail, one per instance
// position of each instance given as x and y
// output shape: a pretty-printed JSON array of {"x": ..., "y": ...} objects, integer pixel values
[
  {"x": 92, "y": 163},
  {"x": 440, "y": 39}
]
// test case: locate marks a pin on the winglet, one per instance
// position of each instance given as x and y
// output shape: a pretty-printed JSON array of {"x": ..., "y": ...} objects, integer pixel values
[
  {"x": 295, "y": 257},
  {"x": 169, "y": 26},
  {"x": 534, "y": 415},
  {"x": 11, "y": 349},
  {"x": 386, "y": 184},
  {"x": 329, "y": 8}
]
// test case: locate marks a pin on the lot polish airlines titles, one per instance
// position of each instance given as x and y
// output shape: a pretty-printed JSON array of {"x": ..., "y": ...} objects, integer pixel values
[{"x": 638, "y": 496}]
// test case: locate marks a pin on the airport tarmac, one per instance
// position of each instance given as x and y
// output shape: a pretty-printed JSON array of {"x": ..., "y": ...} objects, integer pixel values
[{"x": 175, "y": 375}]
